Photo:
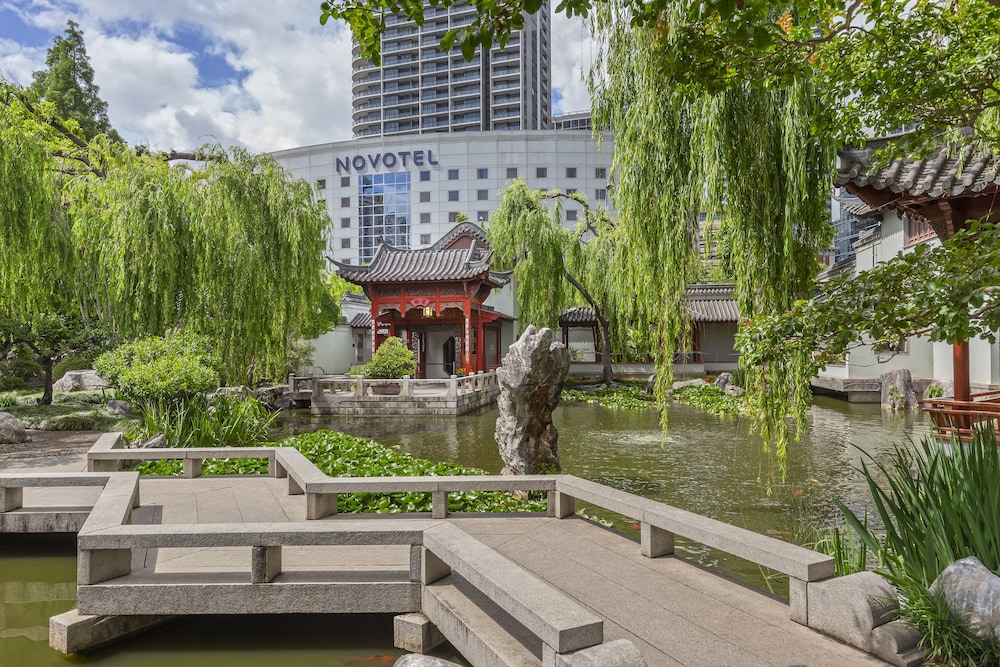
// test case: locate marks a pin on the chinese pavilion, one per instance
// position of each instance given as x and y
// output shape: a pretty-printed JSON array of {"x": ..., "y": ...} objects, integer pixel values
[{"x": 434, "y": 299}]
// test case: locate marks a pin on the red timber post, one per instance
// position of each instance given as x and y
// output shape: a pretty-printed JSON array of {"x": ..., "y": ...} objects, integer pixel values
[
  {"x": 480, "y": 343},
  {"x": 960, "y": 371},
  {"x": 467, "y": 331}
]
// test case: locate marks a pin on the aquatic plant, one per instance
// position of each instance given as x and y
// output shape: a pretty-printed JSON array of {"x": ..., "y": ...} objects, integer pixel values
[
  {"x": 616, "y": 397},
  {"x": 712, "y": 399},
  {"x": 228, "y": 421}
]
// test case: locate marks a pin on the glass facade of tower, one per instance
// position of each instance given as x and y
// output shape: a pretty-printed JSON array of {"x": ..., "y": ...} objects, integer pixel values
[
  {"x": 383, "y": 211},
  {"x": 420, "y": 88}
]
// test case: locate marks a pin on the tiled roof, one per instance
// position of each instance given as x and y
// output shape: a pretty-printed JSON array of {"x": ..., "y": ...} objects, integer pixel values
[
  {"x": 470, "y": 228},
  {"x": 430, "y": 264},
  {"x": 362, "y": 321},
  {"x": 706, "y": 303},
  {"x": 970, "y": 168}
]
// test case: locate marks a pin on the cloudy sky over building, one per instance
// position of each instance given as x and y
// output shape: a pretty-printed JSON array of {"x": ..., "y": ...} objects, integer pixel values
[{"x": 264, "y": 74}]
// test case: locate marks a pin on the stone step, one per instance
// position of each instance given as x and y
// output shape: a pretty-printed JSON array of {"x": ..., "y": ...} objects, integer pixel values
[{"x": 485, "y": 634}]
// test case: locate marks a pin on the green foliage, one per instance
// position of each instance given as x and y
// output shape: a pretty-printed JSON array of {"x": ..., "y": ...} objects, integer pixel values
[
  {"x": 327, "y": 314},
  {"x": 342, "y": 455},
  {"x": 66, "y": 415},
  {"x": 161, "y": 370},
  {"x": 934, "y": 391},
  {"x": 228, "y": 421},
  {"x": 22, "y": 369},
  {"x": 931, "y": 507},
  {"x": 712, "y": 399},
  {"x": 68, "y": 84},
  {"x": 7, "y": 400},
  {"x": 615, "y": 397},
  {"x": 942, "y": 292},
  {"x": 392, "y": 359}
]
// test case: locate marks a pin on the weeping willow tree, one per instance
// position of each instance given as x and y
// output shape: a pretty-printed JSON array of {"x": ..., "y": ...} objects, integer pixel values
[
  {"x": 745, "y": 154},
  {"x": 231, "y": 249},
  {"x": 557, "y": 268}
]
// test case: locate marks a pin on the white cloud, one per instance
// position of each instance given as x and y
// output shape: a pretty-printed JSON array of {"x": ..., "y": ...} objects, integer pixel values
[{"x": 294, "y": 87}]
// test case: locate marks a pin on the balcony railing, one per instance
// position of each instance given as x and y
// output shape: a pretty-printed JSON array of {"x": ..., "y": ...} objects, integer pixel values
[{"x": 957, "y": 419}]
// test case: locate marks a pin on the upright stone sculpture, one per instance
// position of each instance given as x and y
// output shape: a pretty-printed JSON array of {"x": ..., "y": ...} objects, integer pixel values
[
  {"x": 531, "y": 379},
  {"x": 897, "y": 390}
]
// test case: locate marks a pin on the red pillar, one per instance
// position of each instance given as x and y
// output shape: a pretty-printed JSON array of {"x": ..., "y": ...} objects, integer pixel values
[
  {"x": 960, "y": 371},
  {"x": 480, "y": 345}
]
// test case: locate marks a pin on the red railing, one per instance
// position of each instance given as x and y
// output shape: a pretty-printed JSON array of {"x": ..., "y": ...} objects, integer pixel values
[{"x": 951, "y": 418}]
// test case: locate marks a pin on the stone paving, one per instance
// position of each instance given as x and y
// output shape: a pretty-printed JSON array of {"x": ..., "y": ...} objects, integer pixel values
[{"x": 676, "y": 612}]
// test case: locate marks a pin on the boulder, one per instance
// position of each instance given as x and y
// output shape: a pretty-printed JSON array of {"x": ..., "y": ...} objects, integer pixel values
[
  {"x": 724, "y": 380},
  {"x": 118, "y": 407},
  {"x": 733, "y": 390},
  {"x": 947, "y": 388},
  {"x": 158, "y": 441},
  {"x": 417, "y": 660},
  {"x": 11, "y": 430},
  {"x": 973, "y": 594},
  {"x": 897, "y": 390},
  {"x": 651, "y": 384},
  {"x": 236, "y": 392},
  {"x": 274, "y": 398},
  {"x": 680, "y": 384},
  {"x": 531, "y": 380},
  {"x": 80, "y": 381}
]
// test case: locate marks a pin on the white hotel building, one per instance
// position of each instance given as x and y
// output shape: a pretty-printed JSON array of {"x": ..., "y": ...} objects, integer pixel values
[{"x": 411, "y": 188}]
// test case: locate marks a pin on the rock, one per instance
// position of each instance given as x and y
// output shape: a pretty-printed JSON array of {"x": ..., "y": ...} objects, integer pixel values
[
  {"x": 11, "y": 430},
  {"x": 417, "y": 660},
  {"x": 680, "y": 384},
  {"x": 80, "y": 381},
  {"x": 897, "y": 390},
  {"x": 531, "y": 379},
  {"x": 947, "y": 388},
  {"x": 236, "y": 392},
  {"x": 973, "y": 593},
  {"x": 118, "y": 407},
  {"x": 723, "y": 380},
  {"x": 733, "y": 390},
  {"x": 651, "y": 384},
  {"x": 158, "y": 441},
  {"x": 274, "y": 398}
]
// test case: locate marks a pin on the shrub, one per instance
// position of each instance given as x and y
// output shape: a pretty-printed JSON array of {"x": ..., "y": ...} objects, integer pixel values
[
  {"x": 158, "y": 370},
  {"x": 11, "y": 383},
  {"x": 7, "y": 400},
  {"x": 229, "y": 421},
  {"x": 392, "y": 359},
  {"x": 935, "y": 508},
  {"x": 16, "y": 373}
]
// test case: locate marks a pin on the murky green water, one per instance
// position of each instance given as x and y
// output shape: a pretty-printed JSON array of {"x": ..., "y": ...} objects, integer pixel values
[{"x": 706, "y": 464}]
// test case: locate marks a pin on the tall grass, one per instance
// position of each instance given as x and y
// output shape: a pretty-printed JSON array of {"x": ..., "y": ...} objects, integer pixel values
[
  {"x": 937, "y": 504},
  {"x": 225, "y": 422}
]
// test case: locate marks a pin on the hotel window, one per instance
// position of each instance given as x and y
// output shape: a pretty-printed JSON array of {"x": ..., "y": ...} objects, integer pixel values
[
  {"x": 482, "y": 173},
  {"x": 453, "y": 216},
  {"x": 425, "y": 239},
  {"x": 425, "y": 197},
  {"x": 482, "y": 195},
  {"x": 345, "y": 243},
  {"x": 321, "y": 184},
  {"x": 570, "y": 216},
  {"x": 425, "y": 218},
  {"x": 345, "y": 181},
  {"x": 601, "y": 172},
  {"x": 322, "y": 203},
  {"x": 511, "y": 172},
  {"x": 571, "y": 191},
  {"x": 453, "y": 174},
  {"x": 345, "y": 201},
  {"x": 345, "y": 223},
  {"x": 541, "y": 172},
  {"x": 425, "y": 176},
  {"x": 384, "y": 208},
  {"x": 570, "y": 172},
  {"x": 452, "y": 195},
  {"x": 483, "y": 216},
  {"x": 602, "y": 194}
]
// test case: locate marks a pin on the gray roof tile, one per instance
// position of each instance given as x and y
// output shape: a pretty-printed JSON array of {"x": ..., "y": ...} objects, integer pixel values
[{"x": 941, "y": 174}]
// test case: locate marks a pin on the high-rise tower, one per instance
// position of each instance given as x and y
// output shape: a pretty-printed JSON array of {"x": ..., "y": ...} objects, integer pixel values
[{"x": 420, "y": 88}]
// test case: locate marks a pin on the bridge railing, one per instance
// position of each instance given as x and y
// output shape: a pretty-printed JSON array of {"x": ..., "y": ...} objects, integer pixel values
[
  {"x": 359, "y": 385},
  {"x": 659, "y": 523}
]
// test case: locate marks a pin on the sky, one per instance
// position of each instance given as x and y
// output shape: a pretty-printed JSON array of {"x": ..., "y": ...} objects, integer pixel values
[{"x": 177, "y": 74}]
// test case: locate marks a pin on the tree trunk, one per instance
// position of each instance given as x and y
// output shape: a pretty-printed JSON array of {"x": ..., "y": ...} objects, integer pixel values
[
  {"x": 46, "y": 363},
  {"x": 608, "y": 372}
]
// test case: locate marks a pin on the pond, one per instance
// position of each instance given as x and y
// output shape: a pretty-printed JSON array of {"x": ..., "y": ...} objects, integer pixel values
[{"x": 708, "y": 464}]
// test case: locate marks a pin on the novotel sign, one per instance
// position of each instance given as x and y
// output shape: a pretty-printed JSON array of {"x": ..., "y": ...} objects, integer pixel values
[{"x": 360, "y": 163}]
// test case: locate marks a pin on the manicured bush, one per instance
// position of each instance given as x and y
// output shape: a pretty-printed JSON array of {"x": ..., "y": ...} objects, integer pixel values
[
  {"x": 159, "y": 370},
  {"x": 15, "y": 373},
  {"x": 392, "y": 359}
]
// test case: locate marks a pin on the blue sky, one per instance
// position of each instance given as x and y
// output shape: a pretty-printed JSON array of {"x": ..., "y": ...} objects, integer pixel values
[{"x": 180, "y": 73}]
